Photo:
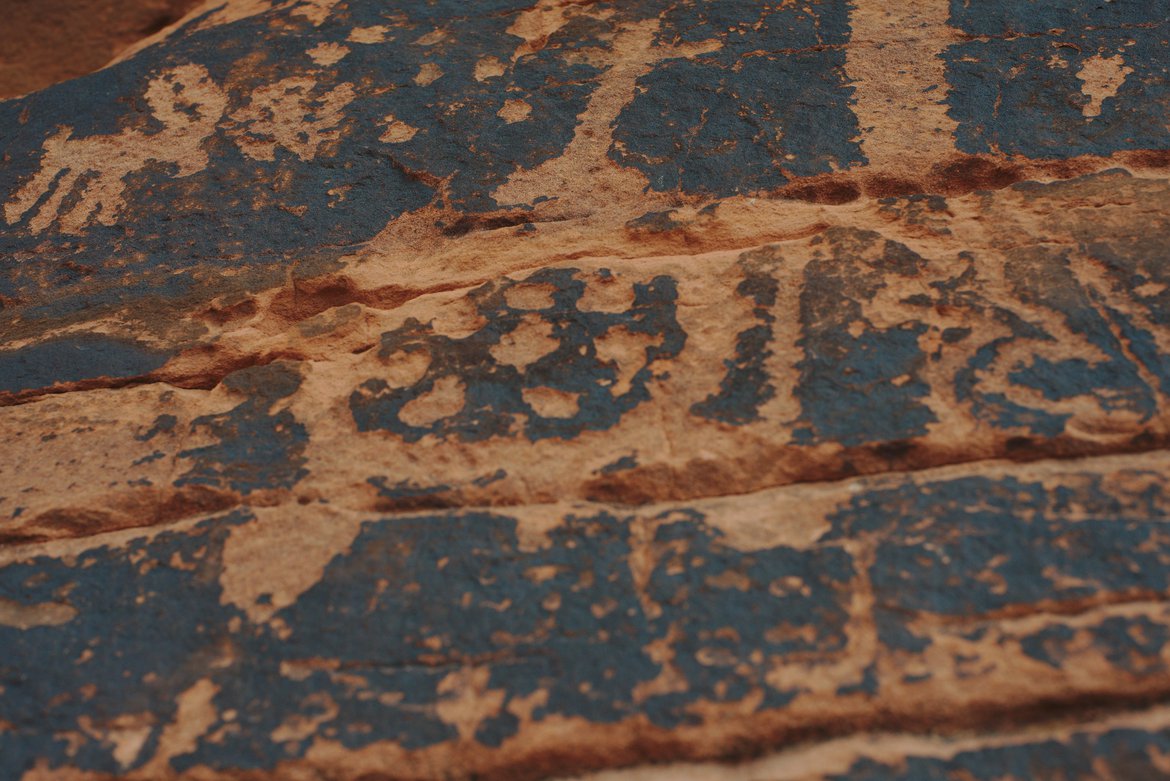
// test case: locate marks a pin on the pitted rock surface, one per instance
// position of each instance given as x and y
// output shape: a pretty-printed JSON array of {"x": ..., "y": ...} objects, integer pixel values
[{"x": 621, "y": 390}]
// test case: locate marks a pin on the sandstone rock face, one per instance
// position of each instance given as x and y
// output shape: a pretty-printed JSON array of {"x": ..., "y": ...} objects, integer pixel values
[
  {"x": 535, "y": 388},
  {"x": 47, "y": 41}
]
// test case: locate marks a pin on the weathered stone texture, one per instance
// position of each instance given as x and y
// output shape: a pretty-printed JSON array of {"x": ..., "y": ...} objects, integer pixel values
[{"x": 529, "y": 388}]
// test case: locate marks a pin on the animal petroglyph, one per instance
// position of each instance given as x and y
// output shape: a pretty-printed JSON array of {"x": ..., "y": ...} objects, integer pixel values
[{"x": 93, "y": 168}]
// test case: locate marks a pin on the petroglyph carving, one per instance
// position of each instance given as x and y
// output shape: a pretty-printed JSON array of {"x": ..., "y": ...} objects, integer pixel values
[
  {"x": 527, "y": 387},
  {"x": 92, "y": 169},
  {"x": 288, "y": 114},
  {"x": 1102, "y": 77}
]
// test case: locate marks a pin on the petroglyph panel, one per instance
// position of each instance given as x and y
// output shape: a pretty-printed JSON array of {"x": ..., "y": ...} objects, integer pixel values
[
  {"x": 527, "y": 389},
  {"x": 797, "y": 607}
]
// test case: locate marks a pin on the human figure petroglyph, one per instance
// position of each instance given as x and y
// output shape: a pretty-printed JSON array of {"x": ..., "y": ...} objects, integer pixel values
[{"x": 188, "y": 104}]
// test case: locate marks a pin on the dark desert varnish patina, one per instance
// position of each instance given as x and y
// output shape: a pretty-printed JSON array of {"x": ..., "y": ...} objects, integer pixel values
[{"x": 430, "y": 390}]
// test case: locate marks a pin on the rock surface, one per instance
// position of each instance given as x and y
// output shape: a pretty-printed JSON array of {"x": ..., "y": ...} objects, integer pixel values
[
  {"x": 47, "y": 41},
  {"x": 530, "y": 388}
]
